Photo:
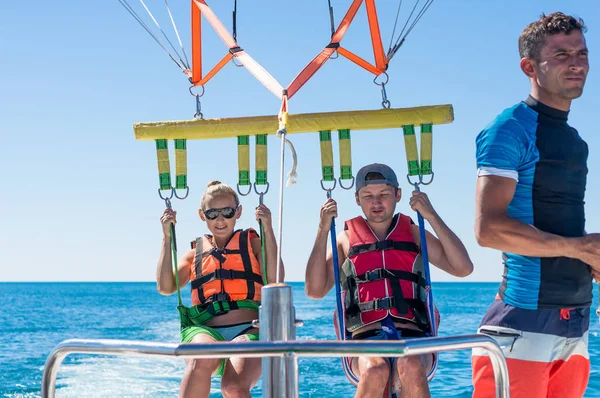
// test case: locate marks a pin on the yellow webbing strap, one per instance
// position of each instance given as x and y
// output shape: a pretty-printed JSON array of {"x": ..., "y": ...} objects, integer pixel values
[
  {"x": 345, "y": 154},
  {"x": 326, "y": 155},
  {"x": 243, "y": 142},
  {"x": 410, "y": 144},
  {"x": 261, "y": 159},
  {"x": 180, "y": 163},
  {"x": 164, "y": 166},
  {"x": 426, "y": 148}
]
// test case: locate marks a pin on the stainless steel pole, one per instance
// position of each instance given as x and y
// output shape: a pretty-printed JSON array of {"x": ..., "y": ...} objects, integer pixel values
[{"x": 277, "y": 323}]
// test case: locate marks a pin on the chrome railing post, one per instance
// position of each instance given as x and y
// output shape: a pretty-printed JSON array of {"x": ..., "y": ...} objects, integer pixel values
[{"x": 277, "y": 323}]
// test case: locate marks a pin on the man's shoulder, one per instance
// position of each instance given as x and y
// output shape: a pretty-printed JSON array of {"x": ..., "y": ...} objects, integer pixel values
[{"x": 518, "y": 118}]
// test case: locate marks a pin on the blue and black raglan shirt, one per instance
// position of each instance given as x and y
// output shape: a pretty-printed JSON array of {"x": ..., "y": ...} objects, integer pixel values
[{"x": 533, "y": 144}]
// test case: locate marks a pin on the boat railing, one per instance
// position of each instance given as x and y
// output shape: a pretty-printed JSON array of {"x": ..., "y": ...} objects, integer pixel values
[{"x": 278, "y": 349}]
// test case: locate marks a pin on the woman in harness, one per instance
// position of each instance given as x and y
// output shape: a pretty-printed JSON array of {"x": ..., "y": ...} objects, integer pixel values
[{"x": 226, "y": 280}]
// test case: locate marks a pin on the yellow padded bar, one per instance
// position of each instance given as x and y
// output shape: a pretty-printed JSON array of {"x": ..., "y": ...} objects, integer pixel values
[{"x": 200, "y": 129}]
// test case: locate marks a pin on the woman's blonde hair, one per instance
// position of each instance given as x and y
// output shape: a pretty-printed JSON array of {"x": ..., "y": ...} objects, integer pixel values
[{"x": 217, "y": 188}]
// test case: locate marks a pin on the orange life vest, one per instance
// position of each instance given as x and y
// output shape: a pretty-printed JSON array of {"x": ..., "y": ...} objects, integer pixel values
[{"x": 230, "y": 274}]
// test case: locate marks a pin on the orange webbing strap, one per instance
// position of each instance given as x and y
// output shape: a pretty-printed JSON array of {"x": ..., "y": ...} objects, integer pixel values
[
  {"x": 309, "y": 70},
  {"x": 359, "y": 61},
  {"x": 196, "y": 44},
  {"x": 234, "y": 51},
  {"x": 214, "y": 70},
  {"x": 380, "y": 59},
  {"x": 314, "y": 65}
]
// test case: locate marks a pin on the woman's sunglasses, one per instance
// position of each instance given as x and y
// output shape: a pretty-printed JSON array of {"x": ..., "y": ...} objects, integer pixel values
[{"x": 212, "y": 214}]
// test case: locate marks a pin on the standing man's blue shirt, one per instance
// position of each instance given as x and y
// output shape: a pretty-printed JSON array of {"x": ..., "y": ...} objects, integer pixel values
[{"x": 533, "y": 144}]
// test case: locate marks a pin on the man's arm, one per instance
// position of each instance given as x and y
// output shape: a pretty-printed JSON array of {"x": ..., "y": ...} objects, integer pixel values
[
  {"x": 320, "y": 276},
  {"x": 495, "y": 229},
  {"x": 446, "y": 252}
]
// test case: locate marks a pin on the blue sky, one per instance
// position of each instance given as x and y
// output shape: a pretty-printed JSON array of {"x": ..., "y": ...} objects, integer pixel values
[{"x": 79, "y": 193}]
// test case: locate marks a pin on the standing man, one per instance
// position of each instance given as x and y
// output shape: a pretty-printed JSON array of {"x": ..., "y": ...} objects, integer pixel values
[{"x": 532, "y": 169}]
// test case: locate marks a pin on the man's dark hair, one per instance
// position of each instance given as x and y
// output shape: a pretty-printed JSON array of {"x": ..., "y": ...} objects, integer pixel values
[{"x": 534, "y": 36}]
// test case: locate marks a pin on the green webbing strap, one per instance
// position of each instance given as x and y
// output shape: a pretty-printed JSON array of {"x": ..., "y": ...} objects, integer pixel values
[
  {"x": 261, "y": 159},
  {"x": 426, "y": 148},
  {"x": 326, "y": 155},
  {"x": 262, "y": 254},
  {"x": 175, "y": 268},
  {"x": 345, "y": 154},
  {"x": 243, "y": 142},
  {"x": 164, "y": 167},
  {"x": 412, "y": 156},
  {"x": 180, "y": 164},
  {"x": 410, "y": 144}
]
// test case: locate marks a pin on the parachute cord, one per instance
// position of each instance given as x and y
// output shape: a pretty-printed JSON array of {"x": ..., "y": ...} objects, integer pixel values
[
  {"x": 336, "y": 273},
  {"x": 331, "y": 20},
  {"x": 163, "y": 33},
  {"x": 235, "y": 20},
  {"x": 187, "y": 62},
  {"x": 402, "y": 37},
  {"x": 143, "y": 25},
  {"x": 425, "y": 255},
  {"x": 419, "y": 16},
  {"x": 395, "y": 25}
]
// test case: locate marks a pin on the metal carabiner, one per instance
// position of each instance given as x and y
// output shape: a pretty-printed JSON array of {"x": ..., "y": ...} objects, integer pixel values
[
  {"x": 263, "y": 192},
  {"x": 198, "y": 113},
  {"x": 244, "y": 194},
  {"x": 385, "y": 103},
  {"x": 328, "y": 190},
  {"x": 187, "y": 192},
  {"x": 165, "y": 198},
  {"x": 415, "y": 184},
  {"x": 346, "y": 188},
  {"x": 428, "y": 182}
]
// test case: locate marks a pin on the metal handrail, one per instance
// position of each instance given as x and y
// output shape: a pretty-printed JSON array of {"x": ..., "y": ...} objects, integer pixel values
[{"x": 323, "y": 348}]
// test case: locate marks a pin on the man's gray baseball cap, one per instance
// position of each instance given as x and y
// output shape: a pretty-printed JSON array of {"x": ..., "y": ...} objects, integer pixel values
[{"x": 389, "y": 177}]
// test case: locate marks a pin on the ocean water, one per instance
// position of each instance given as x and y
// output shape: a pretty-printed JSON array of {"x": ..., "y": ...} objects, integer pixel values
[{"x": 35, "y": 317}]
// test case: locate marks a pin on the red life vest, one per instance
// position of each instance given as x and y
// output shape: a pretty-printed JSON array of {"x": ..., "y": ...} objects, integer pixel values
[{"x": 382, "y": 278}]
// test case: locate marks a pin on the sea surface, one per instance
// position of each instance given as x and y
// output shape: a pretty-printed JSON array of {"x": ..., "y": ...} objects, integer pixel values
[{"x": 35, "y": 317}]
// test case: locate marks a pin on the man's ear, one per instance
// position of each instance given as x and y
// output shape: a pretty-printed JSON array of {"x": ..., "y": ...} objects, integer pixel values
[
  {"x": 238, "y": 212},
  {"x": 201, "y": 214},
  {"x": 398, "y": 195},
  {"x": 357, "y": 199},
  {"x": 528, "y": 67}
]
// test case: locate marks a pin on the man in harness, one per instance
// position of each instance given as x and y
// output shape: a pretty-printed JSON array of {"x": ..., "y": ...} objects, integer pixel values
[{"x": 382, "y": 277}]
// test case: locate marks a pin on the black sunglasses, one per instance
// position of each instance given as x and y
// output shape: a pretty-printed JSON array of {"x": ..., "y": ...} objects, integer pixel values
[{"x": 212, "y": 214}]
